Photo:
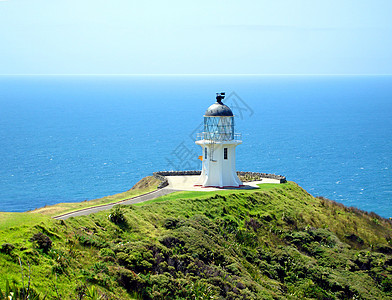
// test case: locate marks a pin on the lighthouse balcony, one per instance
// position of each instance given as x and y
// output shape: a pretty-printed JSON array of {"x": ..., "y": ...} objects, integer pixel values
[{"x": 217, "y": 137}]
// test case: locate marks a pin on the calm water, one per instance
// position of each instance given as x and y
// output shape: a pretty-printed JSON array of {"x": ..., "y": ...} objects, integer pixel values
[{"x": 69, "y": 138}]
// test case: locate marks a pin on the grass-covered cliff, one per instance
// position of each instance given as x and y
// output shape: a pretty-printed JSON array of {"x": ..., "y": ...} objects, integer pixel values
[{"x": 277, "y": 242}]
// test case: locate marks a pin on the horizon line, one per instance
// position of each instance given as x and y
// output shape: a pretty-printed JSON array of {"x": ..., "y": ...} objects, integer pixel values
[{"x": 201, "y": 74}]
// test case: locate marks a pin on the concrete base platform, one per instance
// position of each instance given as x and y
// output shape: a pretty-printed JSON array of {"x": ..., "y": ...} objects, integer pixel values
[{"x": 186, "y": 183}]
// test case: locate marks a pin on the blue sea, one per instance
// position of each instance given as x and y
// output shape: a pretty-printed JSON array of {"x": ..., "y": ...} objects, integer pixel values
[{"x": 75, "y": 138}]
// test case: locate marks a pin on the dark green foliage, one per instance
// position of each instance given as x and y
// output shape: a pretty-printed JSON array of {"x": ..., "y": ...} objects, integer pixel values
[
  {"x": 100, "y": 267},
  {"x": 106, "y": 252},
  {"x": 61, "y": 261},
  {"x": 117, "y": 216},
  {"x": 354, "y": 239},
  {"x": 229, "y": 224},
  {"x": 171, "y": 223},
  {"x": 384, "y": 249},
  {"x": 7, "y": 248},
  {"x": 42, "y": 241},
  {"x": 171, "y": 242},
  {"x": 253, "y": 223},
  {"x": 386, "y": 284},
  {"x": 93, "y": 240},
  {"x": 246, "y": 237}
]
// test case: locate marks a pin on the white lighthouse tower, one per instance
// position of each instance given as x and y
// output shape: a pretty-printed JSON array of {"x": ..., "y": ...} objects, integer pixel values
[{"x": 218, "y": 142}]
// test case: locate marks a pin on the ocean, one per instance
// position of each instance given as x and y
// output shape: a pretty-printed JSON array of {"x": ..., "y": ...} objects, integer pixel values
[{"x": 76, "y": 138}]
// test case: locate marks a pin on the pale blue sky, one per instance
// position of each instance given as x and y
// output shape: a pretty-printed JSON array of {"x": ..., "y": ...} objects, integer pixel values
[{"x": 195, "y": 37}]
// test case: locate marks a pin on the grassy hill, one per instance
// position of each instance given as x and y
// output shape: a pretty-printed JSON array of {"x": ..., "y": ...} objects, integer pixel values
[{"x": 277, "y": 242}]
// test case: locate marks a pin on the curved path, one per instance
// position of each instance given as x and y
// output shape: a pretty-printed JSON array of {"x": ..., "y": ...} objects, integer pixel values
[{"x": 134, "y": 200}]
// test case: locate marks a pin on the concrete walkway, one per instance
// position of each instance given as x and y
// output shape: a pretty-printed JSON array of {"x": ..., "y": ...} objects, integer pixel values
[
  {"x": 134, "y": 200},
  {"x": 186, "y": 183}
]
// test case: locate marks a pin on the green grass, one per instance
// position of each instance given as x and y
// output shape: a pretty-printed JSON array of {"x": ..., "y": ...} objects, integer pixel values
[
  {"x": 10, "y": 220},
  {"x": 276, "y": 242},
  {"x": 204, "y": 195}
]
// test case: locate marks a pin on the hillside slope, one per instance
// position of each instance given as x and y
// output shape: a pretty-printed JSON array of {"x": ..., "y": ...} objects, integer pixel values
[{"x": 278, "y": 242}]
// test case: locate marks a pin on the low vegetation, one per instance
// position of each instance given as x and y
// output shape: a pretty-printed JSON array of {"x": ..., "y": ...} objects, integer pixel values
[{"x": 277, "y": 242}]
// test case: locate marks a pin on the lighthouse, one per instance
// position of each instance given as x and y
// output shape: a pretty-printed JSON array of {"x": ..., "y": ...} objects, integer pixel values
[{"x": 218, "y": 142}]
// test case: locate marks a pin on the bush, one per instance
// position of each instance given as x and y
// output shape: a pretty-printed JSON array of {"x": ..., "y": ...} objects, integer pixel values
[
  {"x": 42, "y": 241},
  {"x": 130, "y": 281},
  {"x": 91, "y": 240},
  {"x": 7, "y": 248},
  {"x": 100, "y": 267},
  {"x": 299, "y": 238},
  {"x": 253, "y": 223},
  {"x": 230, "y": 224},
  {"x": 117, "y": 216},
  {"x": 246, "y": 237},
  {"x": 171, "y": 241},
  {"x": 354, "y": 238},
  {"x": 61, "y": 260},
  {"x": 386, "y": 285},
  {"x": 170, "y": 223},
  {"x": 384, "y": 249},
  {"x": 106, "y": 252}
]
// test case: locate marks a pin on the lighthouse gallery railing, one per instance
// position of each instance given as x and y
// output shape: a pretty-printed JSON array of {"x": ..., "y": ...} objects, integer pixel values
[{"x": 219, "y": 137}]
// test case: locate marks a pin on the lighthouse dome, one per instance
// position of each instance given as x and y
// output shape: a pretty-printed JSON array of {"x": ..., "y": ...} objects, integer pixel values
[{"x": 218, "y": 109}]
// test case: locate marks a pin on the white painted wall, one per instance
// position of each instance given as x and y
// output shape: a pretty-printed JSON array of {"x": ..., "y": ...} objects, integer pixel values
[{"x": 218, "y": 172}]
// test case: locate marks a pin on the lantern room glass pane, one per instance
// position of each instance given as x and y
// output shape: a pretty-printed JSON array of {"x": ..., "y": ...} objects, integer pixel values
[{"x": 219, "y": 128}]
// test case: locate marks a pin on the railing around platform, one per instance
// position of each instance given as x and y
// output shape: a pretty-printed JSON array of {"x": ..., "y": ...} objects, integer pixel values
[{"x": 219, "y": 137}]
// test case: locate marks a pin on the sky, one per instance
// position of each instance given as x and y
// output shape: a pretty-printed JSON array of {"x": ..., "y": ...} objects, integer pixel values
[{"x": 196, "y": 37}]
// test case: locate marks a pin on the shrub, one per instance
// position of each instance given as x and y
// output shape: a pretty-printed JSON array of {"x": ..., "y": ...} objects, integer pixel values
[
  {"x": 170, "y": 223},
  {"x": 299, "y": 238},
  {"x": 354, "y": 238},
  {"x": 58, "y": 269},
  {"x": 7, "y": 248},
  {"x": 384, "y": 249},
  {"x": 42, "y": 241},
  {"x": 61, "y": 261},
  {"x": 130, "y": 281},
  {"x": 106, "y": 252},
  {"x": 246, "y": 237},
  {"x": 253, "y": 223},
  {"x": 386, "y": 285},
  {"x": 100, "y": 267},
  {"x": 230, "y": 224},
  {"x": 117, "y": 216},
  {"x": 171, "y": 241},
  {"x": 91, "y": 240}
]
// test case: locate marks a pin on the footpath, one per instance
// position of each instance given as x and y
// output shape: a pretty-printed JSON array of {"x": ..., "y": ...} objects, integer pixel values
[{"x": 134, "y": 200}]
